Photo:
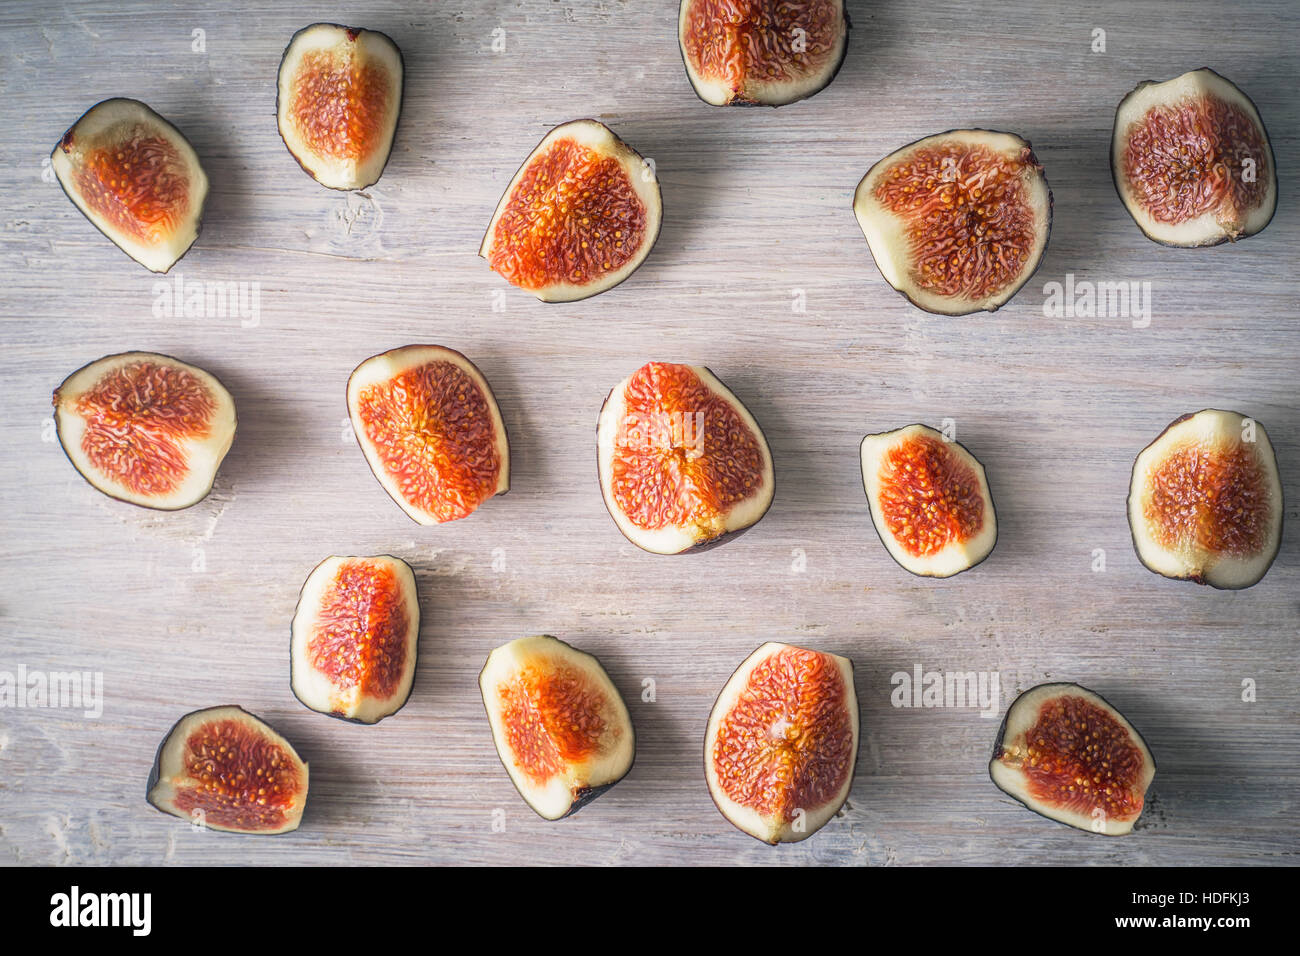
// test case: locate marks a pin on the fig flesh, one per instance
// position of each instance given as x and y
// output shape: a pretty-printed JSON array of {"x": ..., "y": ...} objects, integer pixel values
[
  {"x": 1205, "y": 501},
  {"x": 957, "y": 222},
  {"x": 1067, "y": 754},
  {"x": 682, "y": 463},
  {"x": 930, "y": 501},
  {"x": 559, "y": 724},
  {"x": 579, "y": 217},
  {"x": 355, "y": 637},
  {"x": 224, "y": 769},
  {"x": 429, "y": 426},
  {"x": 136, "y": 178},
  {"x": 1192, "y": 162},
  {"x": 145, "y": 428},
  {"x": 782, "y": 741},
  {"x": 339, "y": 99}
]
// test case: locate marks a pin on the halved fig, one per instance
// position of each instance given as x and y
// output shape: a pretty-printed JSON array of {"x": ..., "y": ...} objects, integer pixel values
[
  {"x": 682, "y": 463},
  {"x": 136, "y": 178},
  {"x": 1192, "y": 162},
  {"x": 1067, "y": 754},
  {"x": 579, "y": 216},
  {"x": 339, "y": 97},
  {"x": 145, "y": 428},
  {"x": 930, "y": 500},
  {"x": 761, "y": 52},
  {"x": 782, "y": 741},
  {"x": 429, "y": 426},
  {"x": 355, "y": 636},
  {"x": 1205, "y": 501},
  {"x": 560, "y": 725},
  {"x": 224, "y": 769},
  {"x": 957, "y": 222}
]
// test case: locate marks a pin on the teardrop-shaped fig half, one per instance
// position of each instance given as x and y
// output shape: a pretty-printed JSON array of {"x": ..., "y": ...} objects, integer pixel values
[
  {"x": 957, "y": 222},
  {"x": 1205, "y": 501},
  {"x": 682, "y": 463},
  {"x": 429, "y": 426},
  {"x": 339, "y": 99},
  {"x": 1192, "y": 162},
  {"x": 579, "y": 216},
  {"x": 136, "y": 178},
  {"x": 145, "y": 428}
]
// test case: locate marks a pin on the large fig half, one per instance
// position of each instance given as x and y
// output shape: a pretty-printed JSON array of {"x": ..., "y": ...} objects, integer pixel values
[
  {"x": 1066, "y": 753},
  {"x": 957, "y": 222},
  {"x": 1205, "y": 501},
  {"x": 224, "y": 769},
  {"x": 682, "y": 463},
  {"x": 782, "y": 741},
  {"x": 145, "y": 428},
  {"x": 559, "y": 723},
  {"x": 1192, "y": 161},
  {"x": 339, "y": 97},
  {"x": 579, "y": 216},
  {"x": 136, "y": 178},
  {"x": 761, "y": 52}
]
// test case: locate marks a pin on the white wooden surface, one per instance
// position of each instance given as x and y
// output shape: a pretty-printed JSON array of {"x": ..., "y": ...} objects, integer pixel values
[{"x": 757, "y": 204}]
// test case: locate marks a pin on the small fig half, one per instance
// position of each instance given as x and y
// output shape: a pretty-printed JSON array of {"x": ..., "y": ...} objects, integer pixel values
[
  {"x": 560, "y": 725},
  {"x": 1205, "y": 501}
]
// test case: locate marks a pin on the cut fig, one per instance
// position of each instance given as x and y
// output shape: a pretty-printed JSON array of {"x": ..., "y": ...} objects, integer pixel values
[
  {"x": 782, "y": 741},
  {"x": 355, "y": 636},
  {"x": 579, "y": 216},
  {"x": 560, "y": 725},
  {"x": 1067, "y": 754},
  {"x": 1192, "y": 162},
  {"x": 930, "y": 501},
  {"x": 1205, "y": 501},
  {"x": 761, "y": 52},
  {"x": 145, "y": 428},
  {"x": 224, "y": 769},
  {"x": 136, "y": 178},
  {"x": 339, "y": 98},
  {"x": 682, "y": 463},
  {"x": 957, "y": 222},
  {"x": 429, "y": 426}
]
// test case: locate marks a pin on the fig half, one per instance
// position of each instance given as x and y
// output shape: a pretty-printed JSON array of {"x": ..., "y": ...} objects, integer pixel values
[
  {"x": 682, "y": 463},
  {"x": 559, "y": 724},
  {"x": 579, "y": 216},
  {"x": 224, "y": 769},
  {"x": 782, "y": 741},
  {"x": 1192, "y": 162},
  {"x": 145, "y": 428},
  {"x": 136, "y": 178},
  {"x": 1205, "y": 501},
  {"x": 957, "y": 222},
  {"x": 1067, "y": 754}
]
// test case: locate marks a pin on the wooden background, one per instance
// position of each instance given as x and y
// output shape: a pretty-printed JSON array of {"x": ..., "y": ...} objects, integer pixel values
[{"x": 186, "y": 610}]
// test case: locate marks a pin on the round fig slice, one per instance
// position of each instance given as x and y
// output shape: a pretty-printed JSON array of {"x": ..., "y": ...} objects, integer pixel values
[
  {"x": 1192, "y": 162},
  {"x": 782, "y": 741},
  {"x": 339, "y": 97},
  {"x": 1067, "y": 754},
  {"x": 930, "y": 501},
  {"x": 682, "y": 463},
  {"x": 579, "y": 216},
  {"x": 1205, "y": 501},
  {"x": 224, "y": 769},
  {"x": 355, "y": 637},
  {"x": 761, "y": 52},
  {"x": 559, "y": 724},
  {"x": 957, "y": 222},
  {"x": 429, "y": 426},
  {"x": 145, "y": 428},
  {"x": 136, "y": 178}
]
